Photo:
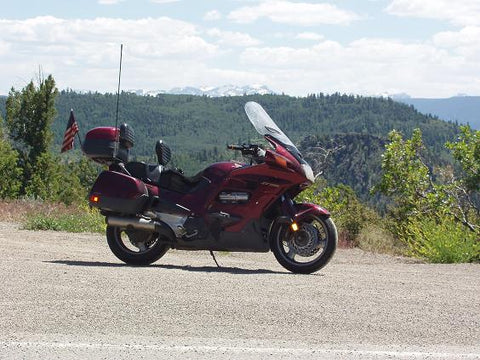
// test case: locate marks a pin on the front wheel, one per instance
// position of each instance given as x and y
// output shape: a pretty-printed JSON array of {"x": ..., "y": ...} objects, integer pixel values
[
  {"x": 309, "y": 248},
  {"x": 135, "y": 247}
]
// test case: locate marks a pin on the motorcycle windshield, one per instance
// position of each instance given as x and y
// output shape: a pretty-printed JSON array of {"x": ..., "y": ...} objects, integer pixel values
[{"x": 264, "y": 124}]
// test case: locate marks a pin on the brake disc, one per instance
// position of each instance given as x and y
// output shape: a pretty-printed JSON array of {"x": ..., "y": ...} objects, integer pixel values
[{"x": 305, "y": 241}]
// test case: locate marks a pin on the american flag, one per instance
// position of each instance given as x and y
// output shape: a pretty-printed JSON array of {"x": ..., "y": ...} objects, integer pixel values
[{"x": 70, "y": 132}]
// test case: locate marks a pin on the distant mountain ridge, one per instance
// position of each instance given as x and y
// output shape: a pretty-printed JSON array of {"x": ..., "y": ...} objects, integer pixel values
[
  {"x": 225, "y": 90},
  {"x": 461, "y": 109}
]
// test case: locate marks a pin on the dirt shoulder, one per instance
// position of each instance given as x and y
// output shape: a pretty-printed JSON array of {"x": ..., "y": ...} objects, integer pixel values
[{"x": 67, "y": 294}]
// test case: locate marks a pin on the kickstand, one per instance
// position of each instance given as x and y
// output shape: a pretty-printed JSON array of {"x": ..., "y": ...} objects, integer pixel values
[{"x": 213, "y": 256}]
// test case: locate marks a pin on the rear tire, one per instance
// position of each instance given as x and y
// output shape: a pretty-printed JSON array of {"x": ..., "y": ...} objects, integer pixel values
[
  {"x": 307, "y": 250},
  {"x": 135, "y": 247}
]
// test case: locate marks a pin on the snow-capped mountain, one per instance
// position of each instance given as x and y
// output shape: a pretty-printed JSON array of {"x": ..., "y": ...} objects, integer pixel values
[{"x": 225, "y": 90}]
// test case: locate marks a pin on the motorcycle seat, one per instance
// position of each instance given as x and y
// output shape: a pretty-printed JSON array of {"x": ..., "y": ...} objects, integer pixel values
[
  {"x": 170, "y": 179},
  {"x": 149, "y": 173},
  {"x": 174, "y": 180}
]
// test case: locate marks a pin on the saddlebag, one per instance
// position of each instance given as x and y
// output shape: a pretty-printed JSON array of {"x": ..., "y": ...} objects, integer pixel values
[
  {"x": 119, "y": 193},
  {"x": 99, "y": 144}
]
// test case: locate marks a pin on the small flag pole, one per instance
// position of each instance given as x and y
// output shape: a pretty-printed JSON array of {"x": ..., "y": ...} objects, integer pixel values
[{"x": 80, "y": 141}]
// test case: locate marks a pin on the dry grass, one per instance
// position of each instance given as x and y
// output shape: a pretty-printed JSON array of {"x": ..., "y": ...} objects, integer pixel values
[
  {"x": 344, "y": 240},
  {"x": 374, "y": 238},
  {"x": 19, "y": 210},
  {"x": 37, "y": 215}
]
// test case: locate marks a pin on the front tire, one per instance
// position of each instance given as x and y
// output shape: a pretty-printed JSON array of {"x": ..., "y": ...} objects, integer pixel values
[
  {"x": 135, "y": 247},
  {"x": 309, "y": 248}
]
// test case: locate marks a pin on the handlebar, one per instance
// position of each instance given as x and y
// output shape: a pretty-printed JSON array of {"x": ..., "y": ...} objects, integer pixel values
[
  {"x": 248, "y": 149},
  {"x": 235, "y": 147}
]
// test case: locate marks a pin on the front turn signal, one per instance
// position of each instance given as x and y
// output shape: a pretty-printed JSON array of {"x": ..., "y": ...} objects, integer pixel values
[
  {"x": 294, "y": 226},
  {"x": 281, "y": 161}
]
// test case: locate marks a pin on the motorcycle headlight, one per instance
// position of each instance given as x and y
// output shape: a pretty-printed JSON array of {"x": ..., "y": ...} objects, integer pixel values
[{"x": 307, "y": 170}]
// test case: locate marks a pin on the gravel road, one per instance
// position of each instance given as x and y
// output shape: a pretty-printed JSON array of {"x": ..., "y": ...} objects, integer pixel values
[{"x": 66, "y": 296}]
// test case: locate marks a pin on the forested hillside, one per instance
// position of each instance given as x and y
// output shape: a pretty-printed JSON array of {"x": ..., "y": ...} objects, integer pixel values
[
  {"x": 197, "y": 128},
  {"x": 353, "y": 159}
]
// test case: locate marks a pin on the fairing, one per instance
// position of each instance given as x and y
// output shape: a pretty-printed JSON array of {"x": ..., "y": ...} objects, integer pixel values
[{"x": 265, "y": 126}]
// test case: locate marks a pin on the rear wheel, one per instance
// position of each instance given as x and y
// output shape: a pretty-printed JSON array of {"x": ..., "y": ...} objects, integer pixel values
[
  {"x": 135, "y": 247},
  {"x": 309, "y": 248}
]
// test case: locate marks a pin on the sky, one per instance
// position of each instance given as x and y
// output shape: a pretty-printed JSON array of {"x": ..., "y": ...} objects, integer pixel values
[{"x": 424, "y": 48}]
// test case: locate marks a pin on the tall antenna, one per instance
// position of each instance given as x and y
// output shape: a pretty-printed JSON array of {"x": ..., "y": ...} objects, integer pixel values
[
  {"x": 118, "y": 89},
  {"x": 117, "y": 139}
]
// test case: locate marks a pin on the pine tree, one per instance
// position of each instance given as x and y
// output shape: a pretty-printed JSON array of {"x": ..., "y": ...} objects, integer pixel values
[
  {"x": 9, "y": 181},
  {"x": 30, "y": 114}
]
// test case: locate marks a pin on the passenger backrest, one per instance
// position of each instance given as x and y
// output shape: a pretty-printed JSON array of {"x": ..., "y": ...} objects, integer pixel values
[{"x": 163, "y": 153}]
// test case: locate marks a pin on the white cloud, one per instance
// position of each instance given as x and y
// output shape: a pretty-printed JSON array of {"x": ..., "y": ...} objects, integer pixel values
[
  {"x": 231, "y": 38},
  {"x": 469, "y": 35},
  {"x": 464, "y": 43},
  {"x": 4, "y": 47},
  {"x": 309, "y": 36},
  {"x": 161, "y": 53},
  {"x": 159, "y": 37},
  {"x": 294, "y": 13},
  {"x": 83, "y": 53},
  {"x": 163, "y": 1},
  {"x": 212, "y": 15},
  {"x": 366, "y": 66},
  {"x": 109, "y": 2},
  {"x": 458, "y": 12}
]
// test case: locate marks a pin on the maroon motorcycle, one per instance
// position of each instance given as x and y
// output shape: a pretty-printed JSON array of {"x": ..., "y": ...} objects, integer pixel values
[{"x": 229, "y": 206}]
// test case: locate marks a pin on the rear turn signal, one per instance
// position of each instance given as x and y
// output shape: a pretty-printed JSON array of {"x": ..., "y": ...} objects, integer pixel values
[{"x": 94, "y": 199}]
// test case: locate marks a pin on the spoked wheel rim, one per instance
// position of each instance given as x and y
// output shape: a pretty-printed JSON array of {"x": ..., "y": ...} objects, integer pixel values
[
  {"x": 135, "y": 242},
  {"x": 306, "y": 245}
]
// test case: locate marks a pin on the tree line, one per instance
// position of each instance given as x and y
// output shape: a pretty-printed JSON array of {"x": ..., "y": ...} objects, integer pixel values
[
  {"x": 28, "y": 165},
  {"x": 198, "y": 128},
  {"x": 356, "y": 127}
]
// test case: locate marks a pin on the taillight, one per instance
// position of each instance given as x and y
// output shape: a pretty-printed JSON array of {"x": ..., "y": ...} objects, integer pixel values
[{"x": 94, "y": 198}]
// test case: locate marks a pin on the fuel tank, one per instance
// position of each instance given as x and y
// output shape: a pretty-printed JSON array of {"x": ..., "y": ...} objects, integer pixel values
[{"x": 216, "y": 172}]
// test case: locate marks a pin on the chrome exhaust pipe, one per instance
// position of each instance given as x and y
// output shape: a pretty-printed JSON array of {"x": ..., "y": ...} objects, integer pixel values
[
  {"x": 142, "y": 224},
  {"x": 136, "y": 223}
]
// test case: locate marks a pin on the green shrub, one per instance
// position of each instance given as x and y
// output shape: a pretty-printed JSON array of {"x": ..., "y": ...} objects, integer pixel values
[
  {"x": 348, "y": 213},
  {"x": 442, "y": 241},
  {"x": 84, "y": 220},
  {"x": 10, "y": 173}
]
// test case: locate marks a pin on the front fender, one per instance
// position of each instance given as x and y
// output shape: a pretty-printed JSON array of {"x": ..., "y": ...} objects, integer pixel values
[
  {"x": 301, "y": 210},
  {"x": 305, "y": 208}
]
